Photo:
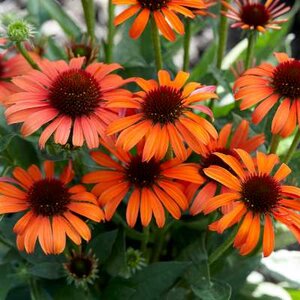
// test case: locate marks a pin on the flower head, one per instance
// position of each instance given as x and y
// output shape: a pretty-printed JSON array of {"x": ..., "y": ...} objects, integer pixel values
[
  {"x": 226, "y": 143},
  {"x": 81, "y": 269},
  {"x": 253, "y": 15},
  {"x": 86, "y": 50},
  {"x": 258, "y": 197},
  {"x": 165, "y": 114},
  {"x": 163, "y": 12},
  {"x": 269, "y": 85},
  {"x": 150, "y": 185},
  {"x": 19, "y": 31},
  {"x": 50, "y": 206},
  {"x": 70, "y": 99}
]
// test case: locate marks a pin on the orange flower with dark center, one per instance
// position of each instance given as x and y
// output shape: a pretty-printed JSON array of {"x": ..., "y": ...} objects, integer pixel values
[
  {"x": 254, "y": 15},
  {"x": 52, "y": 208},
  {"x": 151, "y": 185},
  {"x": 256, "y": 196},
  {"x": 271, "y": 85},
  {"x": 164, "y": 13},
  {"x": 226, "y": 143},
  {"x": 165, "y": 114},
  {"x": 70, "y": 99}
]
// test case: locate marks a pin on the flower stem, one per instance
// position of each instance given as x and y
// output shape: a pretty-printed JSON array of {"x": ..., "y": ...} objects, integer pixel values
[
  {"x": 144, "y": 244},
  {"x": 89, "y": 15},
  {"x": 35, "y": 293},
  {"x": 250, "y": 49},
  {"x": 293, "y": 147},
  {"x": 156, "y": 45},
  {"x": 110, "y": 32},
  {"x": 223, "y": 247},
  {"x": 27, "y": 56},
  {"x": 223, "y": 33},
  {"x": 186, "y": 46},
  {"x": 274, "y": 143}
]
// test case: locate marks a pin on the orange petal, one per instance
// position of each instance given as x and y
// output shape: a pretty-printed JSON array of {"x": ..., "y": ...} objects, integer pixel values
[
  {"x": 253, "y": 236},
  {"x": 80, "y": 226},
  {"x": 220, "y": 200},
  {"x": 269, "y": 237},
  {"x": 133, "y": 207},
  {"x": 145, "y": 210},
  {"x": 203, "y": 197},
  {"x": 224, "y": 177}
]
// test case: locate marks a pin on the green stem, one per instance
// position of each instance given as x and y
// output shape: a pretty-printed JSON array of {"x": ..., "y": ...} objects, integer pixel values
[
  {"x": 110, "y": 32},
  {"x": 159, "y": 242},
  {"x": 250, "y": 49},
  {"x": 186, "y": 46},
  {"x": 34, "y": 290},
  {"x": 274, "y": 143},
  {"x": 26, "y": 55},
  {"x": 89, "y": 15},
  {"x": 146, "y": 233},
  {"x": 223, "y": 35},
  {"x": 293, "y": 147},
  {"x": 223, "y": 247},
  {"x": 156, "y": 45}
]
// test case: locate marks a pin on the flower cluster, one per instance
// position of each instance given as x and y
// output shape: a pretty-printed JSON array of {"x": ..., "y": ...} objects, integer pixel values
[{"x": 156, "y": 150}]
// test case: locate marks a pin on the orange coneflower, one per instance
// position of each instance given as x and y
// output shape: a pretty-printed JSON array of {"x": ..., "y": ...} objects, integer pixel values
[
  {"x": 253, "y": 15},
  {"x": 226, "y": 143},
  {"x": 258, "y": 197},
  {"x": 52, "y": 208},
  {"x": 269, "y": 85},
  {"x": 72, "y": 100},
  {"x": 165, "y": 114},
  {"x": 163, "y": 12},
  {"x": 150, "y": 185}
]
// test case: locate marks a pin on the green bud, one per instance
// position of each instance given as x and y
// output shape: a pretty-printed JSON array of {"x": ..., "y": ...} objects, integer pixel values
[{"x": 19, "y": 31}]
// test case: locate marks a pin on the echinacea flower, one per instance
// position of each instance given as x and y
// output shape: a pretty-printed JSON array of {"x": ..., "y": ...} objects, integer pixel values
[
  {"x": 69, "y": 99},
  {"x": 259, "y": 198},
  {"x": 81, "y": 268},
  {"x": 150, "y": 185},
  {"x": 164, "y": 13},
  {"x": 270, "y": 85},
  {"x": 253, "y": 15},
  {"x": 226, "y": 143},
  {"x": 165, "y": 116},
  {"x": 52, "y": 208}
]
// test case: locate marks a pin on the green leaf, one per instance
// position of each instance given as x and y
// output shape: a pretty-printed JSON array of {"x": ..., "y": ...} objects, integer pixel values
[
  {"x": 102, "y": 244},
  {"x": 153, "y": 281},
  {"x": 22, "y": 152},
  {"x": 206, "y": 60},
  {"x": 47, "y": 270},
  {"x": 118, "y": 289},
  {"x": 198, "y": 273},
  {"x": 5, "y": 283},
  {"x": 117, "y": 260},
  {"x": 216, "y": 291},
  {"x": 6, "y": 140},
  {"x": 57, "y": 13}
]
